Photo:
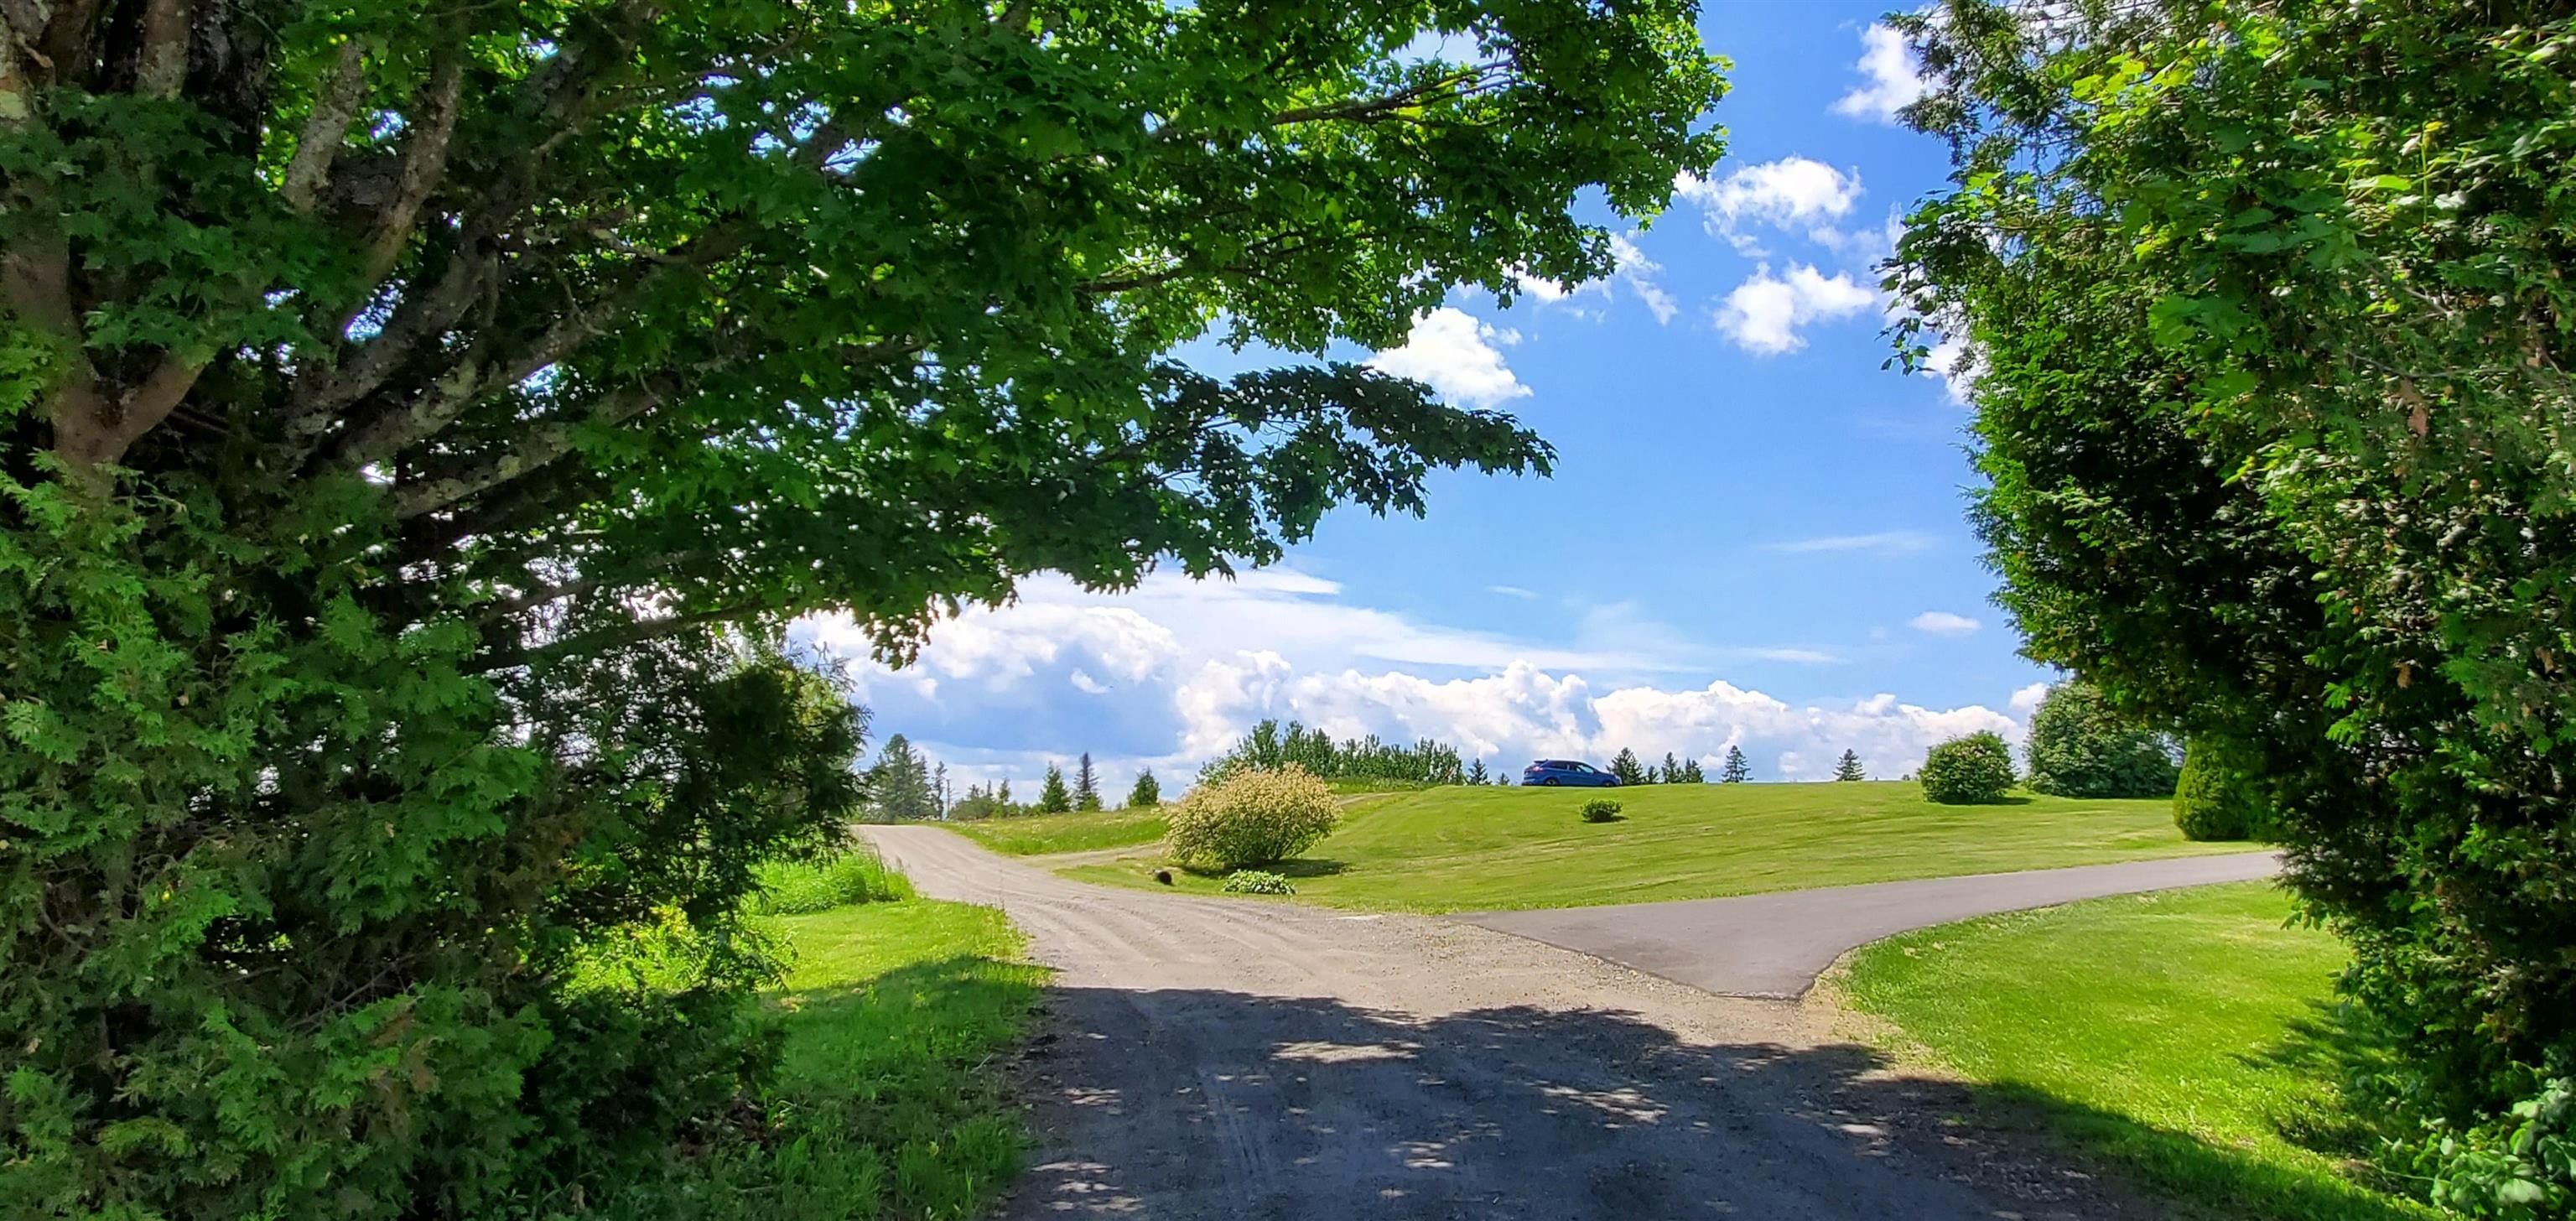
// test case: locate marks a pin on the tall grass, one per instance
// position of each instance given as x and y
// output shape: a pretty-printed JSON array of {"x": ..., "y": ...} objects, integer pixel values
[{"x": 845, "y": 879}]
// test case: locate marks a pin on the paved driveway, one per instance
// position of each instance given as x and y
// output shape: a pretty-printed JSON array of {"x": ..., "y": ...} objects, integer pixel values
[{"x": 1775, "y": 945}]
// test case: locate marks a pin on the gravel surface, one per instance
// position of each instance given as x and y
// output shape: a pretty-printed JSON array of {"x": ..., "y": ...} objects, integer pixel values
[
  {"x": 1244, "y": 1059},
  {"x": 1775, "y": 945}
]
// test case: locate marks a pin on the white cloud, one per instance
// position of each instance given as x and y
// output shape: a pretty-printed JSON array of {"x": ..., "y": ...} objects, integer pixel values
[
  {"x": 1638, "y": 273},
  {"x": 1886, "y": 542},
  {"x": 1891, "y": 81},
  {"x": 1943, "y": 623},
  {"x": 1168, "y": 674},
  {"x": 1764, "y": 312},
  {"x": 1510, "y": 591},
  {"x": 1951, "y": 360},
  {"x": 1791, "y": 193},
  {"x": 1455, "y": 355},
  {"x": 2027, "y": 699}
]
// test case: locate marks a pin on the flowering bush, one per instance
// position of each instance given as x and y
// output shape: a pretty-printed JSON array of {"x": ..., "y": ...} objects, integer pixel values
[{"x": 1251, "y": 818}]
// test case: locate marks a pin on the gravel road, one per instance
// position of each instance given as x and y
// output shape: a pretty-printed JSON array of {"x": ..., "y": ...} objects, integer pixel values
[{"x": 1242, "y": 1059}]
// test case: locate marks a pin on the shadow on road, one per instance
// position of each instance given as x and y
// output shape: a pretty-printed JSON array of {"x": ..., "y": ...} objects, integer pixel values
[{"x": 1188, "y": 1103}]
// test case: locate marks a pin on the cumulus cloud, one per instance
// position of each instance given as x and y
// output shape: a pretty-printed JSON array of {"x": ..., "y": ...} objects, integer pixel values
[
  {"x": 1793, "y": 193},
  {"x": 2026, "y": 700},
  {"x": 1943, "y": 623},
  {"x": 1951, "y": 361},
  {"x": 1455, "y": 355},
  {"x": 1167, "y": 675},
  {"x": 1638, "y": 273},
  {"x": 1885, "y": 542},
  {"x": 1763, "y": 314},
  {"x": 1889, "y": 79}
]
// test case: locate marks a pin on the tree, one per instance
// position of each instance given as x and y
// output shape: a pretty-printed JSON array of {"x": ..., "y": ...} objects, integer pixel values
[
  {"x": 1148, "y": 792},
  {"x": 1002, "y": 792},
  {"x": 1672, "y": 770},
  {"x": 1976, "y": 769},
  {"x": 408, "y": 409},
  {"x": 940, "y": 798},
  {"x": 1626, "y": 767},
  {"x": 1476, "y": 773},
  {"x": 1086, "y": 785},
  {"x": 1053, "y": 796},
  {"x": 1691, "y": 773},
  {"x": 1736, "y": 770},
  {"x": 1849, "y": 768},
  {"x": 2278, "y": 460},
  {"x": 2081, "y": 747},
  {"x": 2212, "y": 799},
  {"x": 899, "y": 785}
]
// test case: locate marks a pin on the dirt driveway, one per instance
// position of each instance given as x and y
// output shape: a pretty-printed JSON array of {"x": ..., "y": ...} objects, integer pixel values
[{"x": 1241, "y": 1059}]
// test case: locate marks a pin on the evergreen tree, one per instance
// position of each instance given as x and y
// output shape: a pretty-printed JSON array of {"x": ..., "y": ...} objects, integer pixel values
[
  {"x": 1148, "y": 792},
  {"x": 1086, "y": 785},
  {"x": 1002, "y": 794},
  {"x": 1691, "y": 773},
  {"x": 899, "y": 784},
  {"x": 1052, "y": 796},
  {"x": 1476, "y": 773},
  {"x": 1672, "y": 769},
  {"x": 939, "y": 791},
  {"x": 1849, "y": 768},
  {"x": 1736, "y": 770},
  {"x": 1627, "y": 768}
]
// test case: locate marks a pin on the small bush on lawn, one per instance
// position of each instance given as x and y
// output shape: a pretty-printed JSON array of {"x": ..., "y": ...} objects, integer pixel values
[
  {"x": 1250, "y": 818},
  {"x": 1974, "y": 770},
  {"x": 2214, "y": 800},
  {"x": 1600, "y": 809},
  {"x": 793, "y": 888},
  {"x": 1257, "y": 882}
]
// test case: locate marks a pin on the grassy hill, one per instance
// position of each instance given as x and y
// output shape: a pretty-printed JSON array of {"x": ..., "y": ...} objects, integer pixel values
[{"x": 1470, "y": 849}]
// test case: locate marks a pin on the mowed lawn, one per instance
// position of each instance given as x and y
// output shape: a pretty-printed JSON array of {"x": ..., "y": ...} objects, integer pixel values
[
  {"x": 896, "y": 1020},
  {"x": 2184, "y": 1033},
  {"x": 1492, "y": 848},
  {"x": 1040, "y": 834}
]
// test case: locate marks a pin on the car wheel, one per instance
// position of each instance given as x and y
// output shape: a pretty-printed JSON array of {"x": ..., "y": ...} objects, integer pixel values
[{"x": 1549, "y": 782}]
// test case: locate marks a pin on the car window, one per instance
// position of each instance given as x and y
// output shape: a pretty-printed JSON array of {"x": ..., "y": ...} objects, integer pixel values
[{"x": 1580, "y": 767}]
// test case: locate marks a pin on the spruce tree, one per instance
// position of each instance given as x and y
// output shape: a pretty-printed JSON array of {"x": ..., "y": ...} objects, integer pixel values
[
  {"x": 1736, "y": 770},
  {"x": 1849, "y": 768},
  {"x": 1627, "y": 768},
  {"x": 1086, "y": 785},
  {"x": 1148, "y": 792},
  {"x": 1052, "y": 796},
  {"x": 1672, "y": 769},
  {"x": 1691, "y": 773},
  {"x": 1476, "y": 773},
  {"x": 899, "y": 784}
]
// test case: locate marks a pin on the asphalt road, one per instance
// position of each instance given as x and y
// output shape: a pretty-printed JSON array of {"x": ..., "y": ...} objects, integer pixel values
[
  {"x": 1776, "y": 944},
  {"x": 1217, "y": 1058}
]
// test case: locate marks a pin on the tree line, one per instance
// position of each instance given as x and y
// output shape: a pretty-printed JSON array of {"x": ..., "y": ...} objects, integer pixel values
[{"x": 905, "y": 785}]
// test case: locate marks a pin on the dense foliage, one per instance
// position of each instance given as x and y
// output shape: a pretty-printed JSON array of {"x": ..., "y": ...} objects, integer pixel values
[
  {"x": 2080, "y": 746},
  {"x": 899, "y": 784},
  {"x": 1600, "y": 809},
  {"x": 1147, "y": 792},
  {"x": 398, "y": 404},
  {"x": 1972, "y": 770},
  {"x": 1251, "y": 817},
  {"x": 1271, "y": 746},
  {"x": 2270, "y": 326},
  {"x": 2213, "y": 798}
]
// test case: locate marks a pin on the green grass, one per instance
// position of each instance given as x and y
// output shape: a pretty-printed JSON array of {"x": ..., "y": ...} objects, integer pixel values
[
  {"x": 855, "y": 875},
  {"x": 1039, "y": 834},
  {"x": 2186, "y": 1035},
  {"x": 1491, "y": 848}
]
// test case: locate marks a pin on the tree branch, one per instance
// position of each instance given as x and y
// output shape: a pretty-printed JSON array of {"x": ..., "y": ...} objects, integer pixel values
[
  {"x": 335, "y": 104},
  {"x": 546, "y": 444},
  {"x": 161, "y": 65},
  {"x": 424, "y": 162}
]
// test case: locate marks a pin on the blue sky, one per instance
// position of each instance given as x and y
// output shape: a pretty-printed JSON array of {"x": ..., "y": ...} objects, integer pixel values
[{"x": 1754, "y": 535}]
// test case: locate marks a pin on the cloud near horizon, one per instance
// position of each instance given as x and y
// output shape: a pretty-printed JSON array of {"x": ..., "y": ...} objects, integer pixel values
[{"x": 1168, "y": 675}]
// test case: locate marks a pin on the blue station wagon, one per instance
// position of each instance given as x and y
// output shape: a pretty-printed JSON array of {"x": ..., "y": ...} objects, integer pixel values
[{"x": 1569, "y": 773}]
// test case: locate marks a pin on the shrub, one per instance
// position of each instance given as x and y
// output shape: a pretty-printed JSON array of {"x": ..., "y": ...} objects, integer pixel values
[
  {"x": 1974, "y": 770},
  {"x": 793, "y": 888},
  {"x": 1600, "y": 809},
  {"x": 2214, "y": 800},
  {"x": 1251, "y": 818},
  {"x": 2080, "y": 746},
  {"x": 1257, "y": 882}
]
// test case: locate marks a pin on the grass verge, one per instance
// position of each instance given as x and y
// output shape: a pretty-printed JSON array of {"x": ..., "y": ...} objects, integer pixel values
[
  {"x": 2187, "y": 1035},
  {"x": 1040, "y": 834},
  {"x": 1490, "y": 848}
]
